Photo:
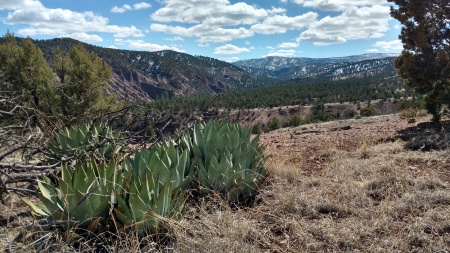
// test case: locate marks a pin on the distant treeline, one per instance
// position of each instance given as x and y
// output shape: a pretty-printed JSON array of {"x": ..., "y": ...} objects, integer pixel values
[{"x": 294, "y": 92}]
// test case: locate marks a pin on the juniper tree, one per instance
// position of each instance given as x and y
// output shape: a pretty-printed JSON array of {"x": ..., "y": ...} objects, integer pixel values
[{"x": 425, "y": 61}]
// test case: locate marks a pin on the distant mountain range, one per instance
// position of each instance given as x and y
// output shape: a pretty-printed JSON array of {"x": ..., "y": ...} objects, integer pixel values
[
  {"x": 359, "y": 66},
  {"x": 139, "y": 75}
]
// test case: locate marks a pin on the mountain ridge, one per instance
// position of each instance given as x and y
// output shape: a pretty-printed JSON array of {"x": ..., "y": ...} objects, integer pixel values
[
  {"x": 304, "y": 67},
  {"x": 146, "y": 76}
]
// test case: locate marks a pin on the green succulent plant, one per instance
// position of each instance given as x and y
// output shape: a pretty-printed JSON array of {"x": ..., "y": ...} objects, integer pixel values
[
  {"x": 86, "y": 141},
  {"x": 226, "y": 159},
  {"x": 157, "y": 182},
  {"x": 82, "y": 198},
  {"x": 139, "y": 191}
]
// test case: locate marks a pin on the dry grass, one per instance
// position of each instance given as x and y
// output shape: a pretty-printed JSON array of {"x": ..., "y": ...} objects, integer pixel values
[
  {"x": 376, "y": 197},
  {"x": 371, "y": 197}
]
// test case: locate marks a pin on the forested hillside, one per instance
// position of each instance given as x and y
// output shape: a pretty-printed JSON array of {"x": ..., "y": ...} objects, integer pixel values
[{"x": 139, "y": 75}]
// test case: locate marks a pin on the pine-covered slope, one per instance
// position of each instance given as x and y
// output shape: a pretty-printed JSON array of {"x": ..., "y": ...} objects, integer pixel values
[{"x": 139, "y": 75}]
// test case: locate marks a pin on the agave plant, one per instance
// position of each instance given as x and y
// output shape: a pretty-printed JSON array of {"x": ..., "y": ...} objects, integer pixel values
[
  {"x": 83, "y": 142},
  {"x": 82, "y": 198},
  {"x": 158, "y": 179},
  {"x": 136, "y": 193},
  {"x": 225, "y": 158}
]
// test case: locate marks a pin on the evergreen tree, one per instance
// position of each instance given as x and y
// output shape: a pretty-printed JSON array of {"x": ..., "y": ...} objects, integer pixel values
[
  {"x": 36, "y": 77},
  {"x": 425, "y": 61},
  {"x": 83, "y": 81},
  {"x": 25, "y": 75}
]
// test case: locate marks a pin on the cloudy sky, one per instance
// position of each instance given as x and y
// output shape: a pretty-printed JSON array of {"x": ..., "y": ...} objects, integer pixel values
[{"x": 223, "y": 29}]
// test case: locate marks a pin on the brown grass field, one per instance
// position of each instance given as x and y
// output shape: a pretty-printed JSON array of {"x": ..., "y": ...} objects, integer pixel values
[{"x": 376, "y": 184}]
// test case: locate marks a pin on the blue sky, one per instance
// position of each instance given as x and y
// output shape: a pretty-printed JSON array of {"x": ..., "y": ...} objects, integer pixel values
[{"x": 222, "y": 29}]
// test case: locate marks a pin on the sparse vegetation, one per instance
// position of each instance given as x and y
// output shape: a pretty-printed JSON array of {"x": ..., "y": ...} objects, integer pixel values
[
  {"x": 273, "y": 123},
  {"x": 154, "y": 178},
  {"x": 368, "y": 111}
]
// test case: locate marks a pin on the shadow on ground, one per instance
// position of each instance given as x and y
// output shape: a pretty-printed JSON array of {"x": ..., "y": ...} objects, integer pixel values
[{"x": 426, "y": 136}]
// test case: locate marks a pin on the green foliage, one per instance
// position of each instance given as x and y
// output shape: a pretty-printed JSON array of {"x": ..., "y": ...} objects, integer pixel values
[
  {"x": 424, "y": 62},
  {"x": 80, "y": 142},
  {"x": 83, "y": 81},
  {"x": 256, "y": 129},
  {"x": 226, "y": 159},
  {"x": 349, "y": 113},
  {"x": 25, "y": 75},
  {"x": 141, "y": 190},
  {"x": 414, "y": 103},
  {"x": 368, "y": 111},
  {"x": 156, "y": 182},
  {"x": 295, "y": 120},
  {"x": 82, "y": 199},
  {"x": 318, "y": 113},
  {"x": 28, "y": 82},
  {"x": 273, "y": 123}
]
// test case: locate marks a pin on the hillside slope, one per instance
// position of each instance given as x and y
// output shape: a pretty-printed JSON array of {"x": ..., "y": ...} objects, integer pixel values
[{"x": 139, "y": 75}]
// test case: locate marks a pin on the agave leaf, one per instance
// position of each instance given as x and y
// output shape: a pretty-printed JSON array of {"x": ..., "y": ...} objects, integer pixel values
[
  {"x": 163, "y": 200},
  {"x": 47, "y": 190},
  {"x": 123, "y": 218},
  {"x": 198, "y": 139},
  {"x": 40, "y": 210},
  {"x": 137, "y": 206},
  {"x": 125, "y": 210},
  {"x": 234, "y": 139}
]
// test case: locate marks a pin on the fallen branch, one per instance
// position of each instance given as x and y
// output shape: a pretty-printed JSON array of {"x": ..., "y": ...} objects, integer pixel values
[{"x": 22, "y": 167}]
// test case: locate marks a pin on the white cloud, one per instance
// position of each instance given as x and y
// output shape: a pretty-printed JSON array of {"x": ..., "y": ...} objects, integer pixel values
[
  {"x": 282, "y": 23},
  {"x": 204, "y": 32},
  {"x": 337, "y": 5},
  {"x": 288, "y": 45},
  {"x": 373, "y": 50},
  {"x": 176, "y": 38},
  {"x": 122, "y": 9},
  {"x": 354, "y": 23},
  {"x": 142, "y": 5},
  {"x": 230, "y": 49},
  {"x": 84, "y": 37},
  {"x": 276, "y": 10},
  {"x": 40, "y": 20},
  {"x": 390, "y": 46},
  {"x": 126, "y": 7},
  {"x": 112, "y": 47},
  {"x": 17, "y": 4},
  {"x": 197, "y": 11},
  {"x": 142, "y": 45},
  {"x": 209, "y": 20},
  {"x": 282, "y": 52},
  {"x": 229, "y": 59}
]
